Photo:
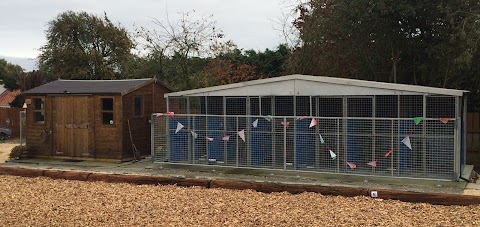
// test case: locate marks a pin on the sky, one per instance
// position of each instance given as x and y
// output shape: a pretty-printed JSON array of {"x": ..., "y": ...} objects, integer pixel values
[{"x": 251, "y": 24}]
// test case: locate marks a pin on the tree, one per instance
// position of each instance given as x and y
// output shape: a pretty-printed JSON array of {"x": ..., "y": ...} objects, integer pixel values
[
  {"x": 9, "y": 74},
  {"x": 85, "y": 46},
  {"x": 270, "y": 63},
  {"x": 179, "y": 48},
  {"x": 221, "y": 71},
  {"x": 432, "y": 43}
]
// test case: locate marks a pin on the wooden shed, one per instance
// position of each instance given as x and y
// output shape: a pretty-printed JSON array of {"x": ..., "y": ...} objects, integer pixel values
[{"x": 89, "y": 119}]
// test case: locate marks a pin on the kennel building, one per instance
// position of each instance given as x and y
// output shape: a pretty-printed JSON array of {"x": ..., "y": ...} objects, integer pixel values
[{"x": 319, "y": 124}]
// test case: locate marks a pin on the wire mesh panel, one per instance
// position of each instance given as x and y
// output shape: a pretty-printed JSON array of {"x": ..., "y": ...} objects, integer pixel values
[
  {"x": 160, "y": 139},
  {"x": 23, "y": 123},
  {"x": 394, "y": 135}
]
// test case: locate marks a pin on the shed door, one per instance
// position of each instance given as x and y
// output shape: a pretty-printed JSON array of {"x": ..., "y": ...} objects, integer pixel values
[{"x": 72, "y": 128}]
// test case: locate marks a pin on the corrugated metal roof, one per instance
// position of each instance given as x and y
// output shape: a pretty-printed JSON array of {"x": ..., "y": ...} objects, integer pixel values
[
  {"x": 313, "y": 85},
  {"x": 89, "y": 86}
]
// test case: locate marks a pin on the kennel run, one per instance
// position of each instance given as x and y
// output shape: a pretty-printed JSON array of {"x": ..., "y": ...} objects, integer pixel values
[{"x": 314, "y": 123}]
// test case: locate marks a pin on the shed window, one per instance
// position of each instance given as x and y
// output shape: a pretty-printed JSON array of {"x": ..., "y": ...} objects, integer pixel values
[
  {"x": 137, "y": 106},
  {"x": 38, "y": 110},
  {"x": 107, "y": 111}
]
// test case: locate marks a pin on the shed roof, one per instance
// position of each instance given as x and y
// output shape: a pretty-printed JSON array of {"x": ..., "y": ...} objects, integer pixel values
[
  {"x": 90, "y": 86},
  {"x": 306, "y": 85}
]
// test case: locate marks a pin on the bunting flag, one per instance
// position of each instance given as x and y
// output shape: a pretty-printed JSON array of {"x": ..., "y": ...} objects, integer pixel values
[
  {"x": 417, "y": 120},
  {"x": 242, "y": 134},
  {"x": 179, "y": 127},
  {"x": 170, "y": 113},
  {"x": 255, "y": 123},
  {"x": 159, "y": 114},
  {"x": 389, "y": 152},
  {"x": 333, "y": 155},
  {"x": 268, "y": 118},
  {"x": 444, "y": 120},
  {"x": 226, "y": 138},
  {"x": 352, "y": 165},
  {"x": 321, "y": 139},
  {"x": 300, "y": 118},
  {"x": 194, "y": 135},
  {"x": 407, "y": 143},
  {"x": 313, "y": 122},
  {"x": 286, "y": 124},
  {"x": 372, "y": 164},
  {"x": 209, "y": 139}
]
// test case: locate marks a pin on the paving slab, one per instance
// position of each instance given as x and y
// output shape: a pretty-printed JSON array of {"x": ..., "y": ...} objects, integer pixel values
[{"x": 146, "y": 167}]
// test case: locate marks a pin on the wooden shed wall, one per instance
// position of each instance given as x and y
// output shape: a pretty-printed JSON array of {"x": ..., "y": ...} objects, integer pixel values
[
  {"x": 33, "y": 131},
  {"x": 153, "y": 101},
  {"x": 108, "y": 138},
  {"x": 105, "y": 141}
]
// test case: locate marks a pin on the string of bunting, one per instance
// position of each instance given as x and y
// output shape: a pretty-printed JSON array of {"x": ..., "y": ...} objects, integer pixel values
[{"x": 406, "y": 140}]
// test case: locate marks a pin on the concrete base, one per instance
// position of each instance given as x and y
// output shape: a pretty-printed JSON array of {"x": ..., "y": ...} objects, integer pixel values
[
  {"x": 146, "y": 167},
  {"x": 474, "y": 186}
]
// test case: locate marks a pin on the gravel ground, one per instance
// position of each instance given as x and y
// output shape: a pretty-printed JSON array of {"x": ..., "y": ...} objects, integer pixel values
[
  {"x": 47, "y": 202},
  {"x": 5, "y": 148}
]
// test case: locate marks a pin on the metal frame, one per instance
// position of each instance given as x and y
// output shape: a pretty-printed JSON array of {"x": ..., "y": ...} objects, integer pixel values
[{"x": 367, "y": 141}]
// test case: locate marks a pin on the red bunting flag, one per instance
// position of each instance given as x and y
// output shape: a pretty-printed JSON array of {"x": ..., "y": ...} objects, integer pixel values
[
  {"x": 444, "y": 120},
  {"x": 286, "y": 124},
  {"x": 170, "y": 113},
  {"x": 388, "y": 153},
  {"x": 352, "y": 165},
  {"x": 372, "y": 164},
  {"x": 313, "y": 122}
]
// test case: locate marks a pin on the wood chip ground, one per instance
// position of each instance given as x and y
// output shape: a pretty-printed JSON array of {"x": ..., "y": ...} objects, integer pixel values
[{"x": 47, "y": 202}]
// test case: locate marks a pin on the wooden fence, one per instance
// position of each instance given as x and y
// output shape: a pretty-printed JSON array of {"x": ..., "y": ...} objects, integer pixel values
[
  {"x": 473, "y": 132},
  {"x": 12, "y": 115}
]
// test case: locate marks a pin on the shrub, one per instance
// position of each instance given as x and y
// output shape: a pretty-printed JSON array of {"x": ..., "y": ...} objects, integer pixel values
[{"x": 17, "y": 151}]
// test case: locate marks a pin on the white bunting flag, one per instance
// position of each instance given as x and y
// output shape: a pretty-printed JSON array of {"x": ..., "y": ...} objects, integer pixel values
[
  {"x": 321, "y": 139},
  {"x": 209, "y": 139},
  {"x": 313, "y": 122},
  {"x": 194, "y": 135},
  {"x": 179, "y": 127},
  {"x": 333, "y": 155},
  {"x": 255, "y": 123},
  {"x": 242, "y": 134},
  {"x": 268, "y": 118},
  {"x": 226, "y": 138},
  {"x": 372, "y": 163},
  {"x": 159, "y": 114},
  {"x": 407, "y": 143}
]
